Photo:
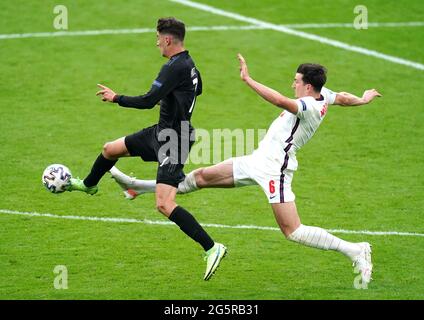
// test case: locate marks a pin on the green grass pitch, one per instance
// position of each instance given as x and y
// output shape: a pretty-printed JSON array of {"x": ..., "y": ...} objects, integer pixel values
[{"x": 363, "y": 170}]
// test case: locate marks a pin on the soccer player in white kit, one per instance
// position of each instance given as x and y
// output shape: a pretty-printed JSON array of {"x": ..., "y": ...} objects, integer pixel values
[{"x": 272, "y": 165}]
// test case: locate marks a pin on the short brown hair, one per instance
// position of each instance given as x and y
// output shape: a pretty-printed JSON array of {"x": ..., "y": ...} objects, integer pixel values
[
  {"x": 313, "y": 74},
  {"x": 171, "y": 26}
]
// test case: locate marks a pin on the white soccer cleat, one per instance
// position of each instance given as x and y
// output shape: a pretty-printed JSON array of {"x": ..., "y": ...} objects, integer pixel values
[
  {"x": 130, "y": 194},
  {"x": 127, "y": 183},
  {"x": 363, "y": 264}
]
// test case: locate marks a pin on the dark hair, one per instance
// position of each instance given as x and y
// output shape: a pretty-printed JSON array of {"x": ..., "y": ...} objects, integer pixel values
[
  {"x": 313, "y": 74},
  {"x": 171, "y": 26}
]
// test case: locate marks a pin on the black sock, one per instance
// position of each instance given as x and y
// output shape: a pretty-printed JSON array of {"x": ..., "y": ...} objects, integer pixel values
[
  {"x": 191, "y": 227},
  {"x": 100, "y": 167}
]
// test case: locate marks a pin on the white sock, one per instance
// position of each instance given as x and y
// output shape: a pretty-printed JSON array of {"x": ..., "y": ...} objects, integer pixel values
[
  {"x": 144, "y": 186},
  {"x": 127, "y": 182},
  {"x": 319, "y": 238},
  {"x": 189, "y": 184}
]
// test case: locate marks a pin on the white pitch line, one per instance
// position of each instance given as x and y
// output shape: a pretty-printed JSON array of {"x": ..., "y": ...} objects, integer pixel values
[
  {"x": 199, "y": 28},
  {"x": 117, "y": 31},
  {"x": 212, "y": 225},
  {"x": 350, "y": 25},
  {"x": 301, "y": 34},
  {"x": 73, "y": 33}
]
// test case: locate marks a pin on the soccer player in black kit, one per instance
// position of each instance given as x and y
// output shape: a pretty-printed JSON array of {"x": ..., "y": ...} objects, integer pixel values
[{"x": 175, "y": 88}]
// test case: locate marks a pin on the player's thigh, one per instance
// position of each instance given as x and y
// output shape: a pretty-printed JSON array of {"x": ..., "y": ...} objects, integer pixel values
[
  {"x": 218, "y": 175},
  {"x": 116, "y": 148},
  {"x": 286, "y": 216},
  {"x": 244, "y": 170}
]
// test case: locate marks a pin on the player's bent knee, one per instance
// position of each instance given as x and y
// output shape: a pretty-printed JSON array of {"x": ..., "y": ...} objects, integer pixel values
[
  {"x": 112, "y": 150},
  {"x": 205, "y": 177},
  {"x": 108, "y": 149},
  {"x": 199, "y": 175}
]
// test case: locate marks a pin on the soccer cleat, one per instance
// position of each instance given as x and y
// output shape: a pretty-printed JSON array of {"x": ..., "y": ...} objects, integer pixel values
[
  {"x": 130, "y": 194},
  {"x": 213, "y": 257},
  {"x": 126, "y": 183},
  {"x": 78, "y": 185},
  {"x": 363, "y": 264}
]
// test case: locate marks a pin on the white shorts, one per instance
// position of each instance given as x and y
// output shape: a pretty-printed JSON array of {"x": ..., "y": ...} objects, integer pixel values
[{"x": 277, "y": 187}]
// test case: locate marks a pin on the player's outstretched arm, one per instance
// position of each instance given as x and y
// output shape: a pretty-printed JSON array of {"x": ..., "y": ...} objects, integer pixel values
[
  {"x": 147, "y": 101},
  {"x": 265, "y": 92},
  {"x": 348, "y": 99}
]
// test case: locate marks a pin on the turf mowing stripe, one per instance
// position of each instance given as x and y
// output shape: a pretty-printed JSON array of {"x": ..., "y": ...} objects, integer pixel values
[
  {"x": 300, "y": 34},
  {"x": 212, "y": 225}
]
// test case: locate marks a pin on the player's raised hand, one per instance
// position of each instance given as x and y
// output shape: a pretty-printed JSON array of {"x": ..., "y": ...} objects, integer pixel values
[
  {"x": 244, "y": 72},
  {"x": 107, "y": 93},
  {"x": 369, "y": 95}
]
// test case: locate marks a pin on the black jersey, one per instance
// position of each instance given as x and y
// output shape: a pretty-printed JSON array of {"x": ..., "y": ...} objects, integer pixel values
[{"x": 176, "y": 87}]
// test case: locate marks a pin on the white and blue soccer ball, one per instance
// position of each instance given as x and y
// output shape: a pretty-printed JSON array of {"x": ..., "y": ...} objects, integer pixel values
[{"x": 56, "y": 177}]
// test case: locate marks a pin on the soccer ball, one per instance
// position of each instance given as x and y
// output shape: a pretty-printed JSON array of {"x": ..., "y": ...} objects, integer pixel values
[{"x": 56, "y": 177}]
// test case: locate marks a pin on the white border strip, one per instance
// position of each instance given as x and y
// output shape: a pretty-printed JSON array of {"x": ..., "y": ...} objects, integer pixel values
[
  {"x": 212, "y": 225},
  {"x": 300, "y": 34}
]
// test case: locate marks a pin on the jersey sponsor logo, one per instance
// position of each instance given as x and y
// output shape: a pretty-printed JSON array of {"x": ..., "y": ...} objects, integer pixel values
[
  {"x": 323, "y": 110},
  {"x": 157, "y": 84},
  {"x": 303, "y": 105},
  {"x": 272, "y": 197}
]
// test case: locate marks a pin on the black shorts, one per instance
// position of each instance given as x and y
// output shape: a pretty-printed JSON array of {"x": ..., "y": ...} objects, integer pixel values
[{"x": 145, "y": 144}]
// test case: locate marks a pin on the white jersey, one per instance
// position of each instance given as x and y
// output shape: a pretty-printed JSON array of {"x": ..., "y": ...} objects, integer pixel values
[{"x": 289, "y": 132}]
